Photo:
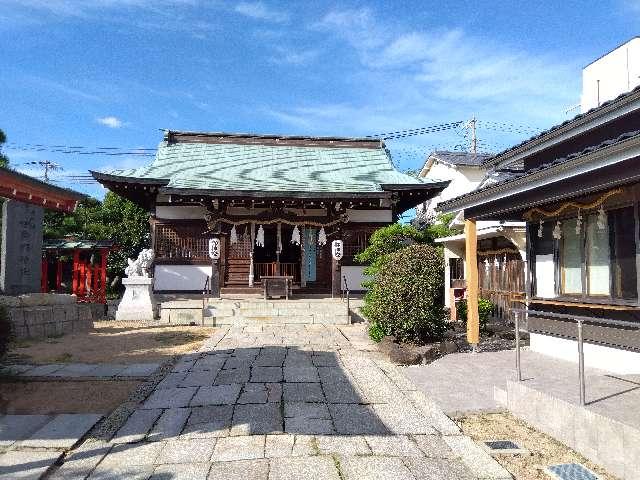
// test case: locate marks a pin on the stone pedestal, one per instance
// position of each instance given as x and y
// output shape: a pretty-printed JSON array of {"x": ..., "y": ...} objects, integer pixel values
[{"x": 138, "y": 303}]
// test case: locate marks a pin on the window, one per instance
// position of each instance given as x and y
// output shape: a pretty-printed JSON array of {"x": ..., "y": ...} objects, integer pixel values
[
  {"x": 354, "y": 242},
  {"x": 571, "y": 259},
  {"x": 597, "y": 260},
  {"x": 456, "y": 269},
  {"x": 623, "y": 247},
  {"x": 181, "y": 242}
]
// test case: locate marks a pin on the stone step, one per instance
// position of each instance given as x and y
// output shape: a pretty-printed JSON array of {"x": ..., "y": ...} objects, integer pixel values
[{"x": 300, "y": 320}]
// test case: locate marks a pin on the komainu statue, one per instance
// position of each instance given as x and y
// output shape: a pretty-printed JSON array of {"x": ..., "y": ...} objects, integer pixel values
[{"x": 140, "y": 266}]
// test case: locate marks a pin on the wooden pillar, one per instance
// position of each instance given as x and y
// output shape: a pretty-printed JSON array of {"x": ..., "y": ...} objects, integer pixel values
[
  {"x": 471, "y": 267},
  {"x": 60, "y": 266},
  {"x": 44, "y": 280},
  {"x": 253, "y": 244},
  {"x": 104, "y": 254},
  {"x": 75, "y": 272}
]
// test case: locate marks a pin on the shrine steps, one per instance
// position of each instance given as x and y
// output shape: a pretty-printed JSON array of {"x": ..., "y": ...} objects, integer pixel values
[{"x": 254, "y": 311}]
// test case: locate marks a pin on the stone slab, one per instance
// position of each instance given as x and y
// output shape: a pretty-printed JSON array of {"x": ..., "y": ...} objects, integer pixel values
[
  {"x": 266, "y": 374},
  {"x": 81, "y": 462},
  {"x": 186, "y": 451},
  {"x": 137, "y": 426},
  {"x": 14, "y": 428},
  {"x": 76, "y": 370},
  {"x": 139, "y": 370},
  {"x": 301, "y": 374},
  {"x": 62, "y": 432},
  {"x": 186, "y": 471},
  {"x": 169, "y": 425},
  {"x": 216, "y": 395},
  {"x": 254, "y": 419},
  {"x": 309, "y": 468},
  {"x": 302, "y": 392},
  {"x": 170, "y": 398},
  {"x": 44, "y": 370},
  {"x": 208, "y": 422},
  {"x": 26, "y": 465},
  {"x": 240, "y": 470},
  {"x": 239, "y": 448},
  {"x": 21, "y": 250},
  {"x": 393, "y": 446},
  {"x": 438, "y": 468},
  {"x": 374, "y": 468}
]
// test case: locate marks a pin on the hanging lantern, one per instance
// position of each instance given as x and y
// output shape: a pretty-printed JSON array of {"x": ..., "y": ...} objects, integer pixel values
[
  {"x": 557, "y": 231},
  {"x": 602, "y": 219},
  {"x": 260, "y": 237},
  {"x": 322, "y": 237},
  {"x": 540, "y": 230},
  {"x": 233, "y": 237},
  {"x": 579, "y": 222},
  {"x": 295, "y": 236}
]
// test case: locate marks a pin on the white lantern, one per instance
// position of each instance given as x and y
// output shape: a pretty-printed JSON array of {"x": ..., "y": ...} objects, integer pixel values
[
  {"x": 214, "y": 248},
  {"x": 336, "y": 249}
]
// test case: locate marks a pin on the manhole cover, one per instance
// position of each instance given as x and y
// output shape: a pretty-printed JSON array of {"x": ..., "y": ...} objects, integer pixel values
[
  {"x": 571, "y": 471},
  {"x": 503, "y": 447}
]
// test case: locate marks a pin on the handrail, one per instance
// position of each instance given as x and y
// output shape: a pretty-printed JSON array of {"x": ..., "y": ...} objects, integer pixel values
[
  {"x": 205, "y": 290},
  {"x": 579, "y": 320},
  {"x": 346, "y": 290}
]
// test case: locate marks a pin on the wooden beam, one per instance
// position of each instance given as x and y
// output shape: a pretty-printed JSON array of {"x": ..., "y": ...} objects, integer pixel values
[{"x": 471, "y": 266}]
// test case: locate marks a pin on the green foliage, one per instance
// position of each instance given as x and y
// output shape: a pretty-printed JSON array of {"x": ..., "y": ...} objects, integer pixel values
[
  {"x": 115, "y": 218},
  {"x": 385, "y": 241},
  {"x": 485, "y": 309},
  {"x": 406, "y": 295},
  {"x": 4, "y": 160},
  {"x": 5, "y": 331},
  {"x": 376, "y": 331},
  {"x": 440, "y": 227}
]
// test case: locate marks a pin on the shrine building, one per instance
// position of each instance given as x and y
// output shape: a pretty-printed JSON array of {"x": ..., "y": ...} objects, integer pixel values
[{"x": 275, "y": 202}]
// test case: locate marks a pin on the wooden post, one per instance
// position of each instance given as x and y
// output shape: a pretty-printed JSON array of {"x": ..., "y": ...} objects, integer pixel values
[
  {"x": 253, "y": 243},
  {"x": 471, "y": 266},
  {"x": 104, "y": 254},
  {"x": 60, "y": 265},
  {"x": 44, "y": 280},
  {"x": 335, "y": 278},
  {"x": 75, "y": 271}
]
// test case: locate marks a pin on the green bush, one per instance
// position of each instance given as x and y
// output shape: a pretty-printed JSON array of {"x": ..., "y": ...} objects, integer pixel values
[
  {"x": 406, "y": 295},
  {"x": 485, "y": 308},
  {"x": 5, "y": 331}
]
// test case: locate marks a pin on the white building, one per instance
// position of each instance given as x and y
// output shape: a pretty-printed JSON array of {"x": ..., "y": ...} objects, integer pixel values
[{"x": 610, "y": 75}]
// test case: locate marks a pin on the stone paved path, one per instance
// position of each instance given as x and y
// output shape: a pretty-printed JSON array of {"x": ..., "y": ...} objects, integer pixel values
[{"x": 294, "y": 402}]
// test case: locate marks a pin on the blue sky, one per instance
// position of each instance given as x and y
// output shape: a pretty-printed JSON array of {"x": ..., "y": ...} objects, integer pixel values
[{"x": 111, "y": 73}]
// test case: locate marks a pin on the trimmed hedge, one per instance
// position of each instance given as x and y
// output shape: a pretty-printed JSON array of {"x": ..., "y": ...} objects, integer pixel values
[{"x": 406, "y": 295}]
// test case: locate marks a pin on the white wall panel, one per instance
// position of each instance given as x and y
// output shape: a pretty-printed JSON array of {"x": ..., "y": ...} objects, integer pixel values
[{"x": 180, "y": 277}]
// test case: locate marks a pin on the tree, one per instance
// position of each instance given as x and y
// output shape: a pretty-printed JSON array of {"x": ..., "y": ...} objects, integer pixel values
[
  {"x": 4, "y": 160},
  {"x": 115, "y": 218}
]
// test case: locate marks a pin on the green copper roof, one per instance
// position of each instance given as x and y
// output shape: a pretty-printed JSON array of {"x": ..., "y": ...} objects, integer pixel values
[{"x": 255, "y": 167}]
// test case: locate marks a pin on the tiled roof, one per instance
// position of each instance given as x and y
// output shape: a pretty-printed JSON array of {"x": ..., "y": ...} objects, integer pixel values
[
  {"x": 68, "y": 244},
  {"x": 497, "y": 157},
  {"x": 460, "y": 158},
  {"x": 240, "y": 165},
  {"x": 516, "y": 175}
]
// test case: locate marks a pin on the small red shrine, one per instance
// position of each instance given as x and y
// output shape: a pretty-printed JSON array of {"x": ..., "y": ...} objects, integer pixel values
[{"x": 76, "y": 266}]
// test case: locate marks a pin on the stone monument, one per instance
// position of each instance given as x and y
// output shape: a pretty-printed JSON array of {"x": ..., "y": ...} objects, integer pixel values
[
  {"x": 138, "y": 302},
  {"x": 21, "y": 265}
]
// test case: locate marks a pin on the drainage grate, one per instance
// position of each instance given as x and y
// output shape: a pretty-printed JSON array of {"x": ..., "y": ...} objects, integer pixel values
[
  {"x": 503, "y": 447},
  {"x": 570, "y": 471}
]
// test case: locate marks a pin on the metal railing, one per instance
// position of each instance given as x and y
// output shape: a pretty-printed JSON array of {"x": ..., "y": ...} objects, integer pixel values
[
  {"x": 579, "y": 320},
  {"x": 344, "y": 293},
  {"x": 206, "y": 292}
]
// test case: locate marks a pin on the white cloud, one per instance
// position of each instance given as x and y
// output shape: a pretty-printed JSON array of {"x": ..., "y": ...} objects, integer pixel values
[
  {"x": 111, "y": 122},
  {"x": 287, "y": 55},
  {"x": 260, "y": 11}
]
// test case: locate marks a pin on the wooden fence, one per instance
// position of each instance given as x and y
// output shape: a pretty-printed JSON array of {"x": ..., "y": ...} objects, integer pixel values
[{"x": 503, "y": 283}]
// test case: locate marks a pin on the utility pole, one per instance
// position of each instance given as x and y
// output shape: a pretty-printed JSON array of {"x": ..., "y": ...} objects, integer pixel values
[
  {"x": 47, "y": 165},
  {"x": 474, "y": 138}
]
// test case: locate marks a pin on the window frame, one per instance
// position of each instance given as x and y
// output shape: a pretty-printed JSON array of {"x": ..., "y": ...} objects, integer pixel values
[{"x": 584, "y": 297}]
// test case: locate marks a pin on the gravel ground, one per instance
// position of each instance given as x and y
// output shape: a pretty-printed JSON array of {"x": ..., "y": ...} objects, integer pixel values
[
  {"x": 28, "y": 397},
  {"x": 543, "y": 450},
  {"x": 113, "y": 342}
]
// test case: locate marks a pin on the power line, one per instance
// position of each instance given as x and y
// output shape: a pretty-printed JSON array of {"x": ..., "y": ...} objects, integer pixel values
[{"x": 416, "y": 131}]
